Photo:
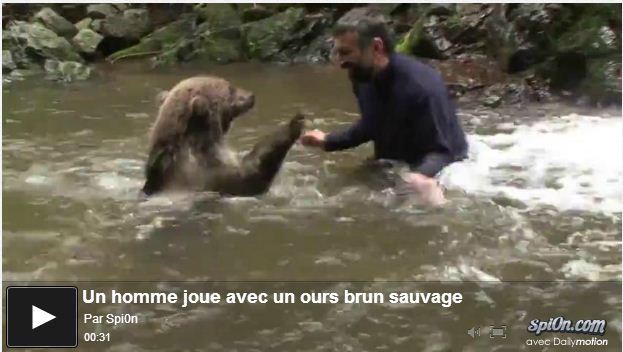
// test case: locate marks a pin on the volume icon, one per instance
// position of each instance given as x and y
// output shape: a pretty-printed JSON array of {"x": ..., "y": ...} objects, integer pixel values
[{"x": 473, "y": 332}]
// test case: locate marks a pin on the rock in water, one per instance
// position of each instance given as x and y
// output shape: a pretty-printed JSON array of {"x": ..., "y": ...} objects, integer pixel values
[
  {"x": 492, "y": 101},
  {"x": 318, "y": 51},
  {"x": 20, "y": 74},
  {"x": 7, "y": 61},
  {"x": 66, "y": 71},
  {"x": 56, "y": 22},
  {"x": 87, "y": 40}
]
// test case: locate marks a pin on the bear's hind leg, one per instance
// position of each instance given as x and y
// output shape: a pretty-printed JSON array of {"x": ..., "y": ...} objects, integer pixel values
[{"x": 159, "y": 169}]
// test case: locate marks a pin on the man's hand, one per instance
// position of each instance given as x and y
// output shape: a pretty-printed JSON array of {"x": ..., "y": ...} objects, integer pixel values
[{"x": 313, "y": 138}]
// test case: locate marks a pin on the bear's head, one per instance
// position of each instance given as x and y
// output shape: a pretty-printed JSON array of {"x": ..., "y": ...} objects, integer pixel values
[
  {"x": 216, "y": 103},
  {"x": 212, "y": 103}
]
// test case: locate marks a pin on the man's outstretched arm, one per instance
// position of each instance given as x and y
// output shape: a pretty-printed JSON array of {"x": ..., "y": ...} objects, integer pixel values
[{"x": 358, "y": 133}]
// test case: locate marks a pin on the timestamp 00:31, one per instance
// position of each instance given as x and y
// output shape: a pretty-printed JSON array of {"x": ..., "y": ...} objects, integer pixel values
[{"x": 96, "y": 337}]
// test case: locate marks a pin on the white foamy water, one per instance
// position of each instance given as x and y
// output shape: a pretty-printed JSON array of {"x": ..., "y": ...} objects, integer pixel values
[{"x": 571, "y": 162}]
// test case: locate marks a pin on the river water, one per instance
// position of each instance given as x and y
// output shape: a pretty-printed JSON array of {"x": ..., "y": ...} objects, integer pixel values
[{"x": 539, "y": 200}]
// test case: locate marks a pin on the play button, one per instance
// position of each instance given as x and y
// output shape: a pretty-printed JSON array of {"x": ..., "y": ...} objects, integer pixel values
[{"x": 40, "y": 317}]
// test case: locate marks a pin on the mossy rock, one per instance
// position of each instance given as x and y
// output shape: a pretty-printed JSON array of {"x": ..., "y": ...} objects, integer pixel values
[
  {"x": 40, "y": 42},
  {"x": 218, "y": 49},
  {"x": 216, "y": 38},
  {"x": 564, "y": 71},
  {"x": 218, "y": 16},
  {"x": 9, "y": 42},
  {"x": 266, "y": 38},
  {"x": 255, "y": 13},
  {"x": 510, "y": 45},
  {"x": 131, "y": 25},
  {"x": 603, "y": 81},
  {"x": 57, "y": 23},
  {"x": 160, "y": 40},
  {"x": 168, "y": 57},
  {"x": 87, "y": 41},
  {"x": 16, "y": 51},
  {"x": 84, "y": 23},
  {"x": 585, "y": 55},
  {"x": 463, "y": 29},
  {"x": 97, "y": 25},
  {"x": 591, "y": 36},
  {"x": 318, "y": 51},
  {"x": 420, "y": 43},
  {"x": 204, "y": 43},
  {"x": 100, "y": 11}
]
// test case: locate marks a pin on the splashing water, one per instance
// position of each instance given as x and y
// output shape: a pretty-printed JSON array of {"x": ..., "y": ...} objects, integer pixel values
[{"x": 573, "y": 162}]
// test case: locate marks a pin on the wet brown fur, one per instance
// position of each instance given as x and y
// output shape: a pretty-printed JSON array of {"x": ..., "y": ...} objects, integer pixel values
[{"x": 187, "y": 150}]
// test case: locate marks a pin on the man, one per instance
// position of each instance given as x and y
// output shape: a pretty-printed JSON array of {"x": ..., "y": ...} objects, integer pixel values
[{"x": 405, "y": 106}]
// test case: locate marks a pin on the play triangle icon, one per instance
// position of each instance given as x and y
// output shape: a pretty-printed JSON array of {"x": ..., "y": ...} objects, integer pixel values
[{"x": 40, "y": 317}]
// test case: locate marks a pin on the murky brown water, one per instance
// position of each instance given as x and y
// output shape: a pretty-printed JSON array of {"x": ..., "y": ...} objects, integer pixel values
[{"x": 72, "y": 167}]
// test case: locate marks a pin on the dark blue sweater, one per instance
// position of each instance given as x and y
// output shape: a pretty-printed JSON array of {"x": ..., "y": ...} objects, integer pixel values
[{"x": 407, "y": 112}]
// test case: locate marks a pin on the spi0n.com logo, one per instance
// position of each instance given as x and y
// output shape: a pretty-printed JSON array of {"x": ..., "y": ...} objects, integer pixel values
[
  {"x": 566, "y": 326},
  {"x": 562, "y": 325}
]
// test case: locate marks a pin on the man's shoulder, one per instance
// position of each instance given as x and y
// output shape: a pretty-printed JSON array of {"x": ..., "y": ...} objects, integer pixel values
[
  {"x": 419, "y": 78},
  {"x": 409, "y": 64}
]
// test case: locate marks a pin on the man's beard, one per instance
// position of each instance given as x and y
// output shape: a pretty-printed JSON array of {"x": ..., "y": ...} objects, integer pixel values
[{"x": 360, "y": 73}]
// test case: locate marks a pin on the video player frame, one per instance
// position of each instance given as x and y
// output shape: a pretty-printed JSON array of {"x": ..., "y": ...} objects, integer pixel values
[{"x": 313, "y": 176}]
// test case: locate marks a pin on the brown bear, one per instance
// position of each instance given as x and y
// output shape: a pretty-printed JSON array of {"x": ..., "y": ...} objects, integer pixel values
[{"x": 187, "y": 150}]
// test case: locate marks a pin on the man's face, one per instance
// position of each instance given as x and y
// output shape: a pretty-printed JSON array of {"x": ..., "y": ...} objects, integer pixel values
[{"x": 359, "y": 62}]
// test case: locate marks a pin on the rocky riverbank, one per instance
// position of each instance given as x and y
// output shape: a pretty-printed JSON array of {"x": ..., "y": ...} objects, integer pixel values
[{"x": 494, "y": 54}]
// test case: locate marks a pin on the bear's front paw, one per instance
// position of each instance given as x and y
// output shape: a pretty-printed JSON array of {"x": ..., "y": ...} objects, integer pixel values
[{"x": 297, "y": 124}]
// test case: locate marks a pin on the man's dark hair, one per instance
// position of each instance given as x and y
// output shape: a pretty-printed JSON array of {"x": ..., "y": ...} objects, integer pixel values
[{"x": 369, "y": 24}]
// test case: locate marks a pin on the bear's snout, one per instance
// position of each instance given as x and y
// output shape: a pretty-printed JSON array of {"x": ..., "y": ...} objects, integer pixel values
[
  {"x": 243, "y": 101},
  {"x": 246, "y": 100}
]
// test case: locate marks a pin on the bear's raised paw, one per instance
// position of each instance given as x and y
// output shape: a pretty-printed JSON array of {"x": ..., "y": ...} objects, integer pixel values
[{"x": 296, "y": 126}]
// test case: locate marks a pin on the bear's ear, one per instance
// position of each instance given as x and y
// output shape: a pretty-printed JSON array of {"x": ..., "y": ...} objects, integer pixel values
[
  {"x": 205, "y": 114},
  {"x": 201, "y": 106},
  {"x": 161, "y": 97}
]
